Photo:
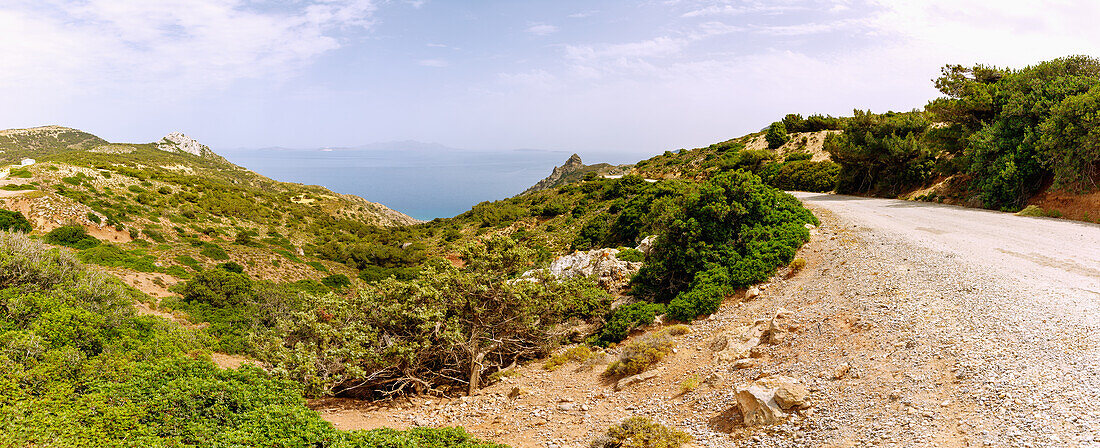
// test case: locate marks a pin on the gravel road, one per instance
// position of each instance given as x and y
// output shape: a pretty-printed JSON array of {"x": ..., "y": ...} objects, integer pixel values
[{"x": 1013, "y": 304}]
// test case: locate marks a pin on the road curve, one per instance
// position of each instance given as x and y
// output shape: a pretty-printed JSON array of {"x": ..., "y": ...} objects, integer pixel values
[
  {"x": 1045, "y": 251},
  {"x": 1016, "y": 298}
]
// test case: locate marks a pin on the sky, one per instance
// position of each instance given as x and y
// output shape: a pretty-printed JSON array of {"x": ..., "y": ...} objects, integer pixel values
[{"x": 617, "y": 77}]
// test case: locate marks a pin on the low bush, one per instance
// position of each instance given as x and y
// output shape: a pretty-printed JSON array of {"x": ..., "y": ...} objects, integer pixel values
[
  {"x": 72, "y": 236},
  {"x": 803, "y": 175},
  {"x": 796, "y": 156},
  {"x": 797, "y": 265},
  {"x": 777, "y": 135},
  {"x": 231, "y": 266},
  {"x": 580, "y": 353},
  {"x": 733, "y": 232},
  {"x": 689, "y": 384},
  {"x": 624, "y": 319},
  {"x": 114, "y": 256},
  {"x": 336, "y": 281},
  {"x": 630, "y": 255},
  {"x": 638, "y": 356},
  {"x": 1035, "y": 210},
  {"x": 213, "y": 252},
  {"x": 14, "y": 222},
  {"x": 678, "y": 330},
  {"x": 641, "y": 432}
]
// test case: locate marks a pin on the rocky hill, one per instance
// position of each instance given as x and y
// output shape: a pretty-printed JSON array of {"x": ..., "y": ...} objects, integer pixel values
[{"x": 574, "y": 170}]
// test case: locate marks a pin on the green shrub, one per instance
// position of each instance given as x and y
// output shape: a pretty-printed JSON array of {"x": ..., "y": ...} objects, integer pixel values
[
  {"x": 1034, "y": 210},
  {"x": 732, "y": 233},
  {"x": 796, "y": 156},
  {"x": 470, "y": 307},
  {"x": 336, "y": 281},
  {"x": 213, "y": 252},
  {"x": 639, "y": 355},
  {"x": 624, "y": 319},
  {"x": 689, "y": 384},
  {"x": 154, "y": 235},
  {"x": 804, "y": 175},
  {"x": 72, "y": 236},
  {"x": 11, "y": 221},
  {"x": 797, "y": 265},
  {"x": 190, "y": 262},
  {"x": 630, "y": 255},
  {"x": 217, "y": 287},
  {"x": 109, "y": 255},
  {"x": 641, "y": 432},
  {"x": 231, "y": 266},
  {"x": 777, "y": 135}
]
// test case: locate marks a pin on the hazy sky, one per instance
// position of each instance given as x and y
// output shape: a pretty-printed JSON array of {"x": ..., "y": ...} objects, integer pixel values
[{"x": 629, "y": 77}]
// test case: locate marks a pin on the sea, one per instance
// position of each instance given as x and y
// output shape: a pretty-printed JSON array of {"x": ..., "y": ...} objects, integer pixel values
[{"x": 422, "y": 180}]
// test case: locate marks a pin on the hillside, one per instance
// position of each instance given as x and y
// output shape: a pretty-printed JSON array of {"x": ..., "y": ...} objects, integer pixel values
[{"x": 174, "y": 204}]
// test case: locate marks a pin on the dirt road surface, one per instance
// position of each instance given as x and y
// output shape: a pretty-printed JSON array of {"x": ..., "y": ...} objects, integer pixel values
[{"x": 1023, "y": 320}]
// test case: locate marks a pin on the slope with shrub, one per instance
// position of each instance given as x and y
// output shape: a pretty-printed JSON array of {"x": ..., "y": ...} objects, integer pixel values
[{"x": 80, "y": 368}]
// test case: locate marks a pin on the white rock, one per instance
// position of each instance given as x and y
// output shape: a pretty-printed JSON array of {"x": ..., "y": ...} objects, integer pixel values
[{"x": 634, "y": 379}]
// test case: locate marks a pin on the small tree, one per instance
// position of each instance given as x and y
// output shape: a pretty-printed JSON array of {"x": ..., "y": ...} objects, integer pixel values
[
  {"x": 14, "y": 222},
  {"x": 777, "y": 135}
]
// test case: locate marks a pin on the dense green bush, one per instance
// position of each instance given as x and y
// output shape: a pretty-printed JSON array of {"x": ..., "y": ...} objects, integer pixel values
[
  {"x": 733, "y": 232},
  {"x": 631, "y": 255},
  {"x": 813, "y": 123},
  {"x": 803, "y": 175},
  {"x": 777, "y": 135},
  {"x": 336, "y": 281},
  {"x": 217, "y": 288},
  {"x": 883, "y": 154},
  {"x": 14, "y": 222},
  {"x": 1017, "y": 129},
  {"x": 72, "y": 236},
  {"x": 624, "y": 319},
  {"x": 213, "y": 252}
]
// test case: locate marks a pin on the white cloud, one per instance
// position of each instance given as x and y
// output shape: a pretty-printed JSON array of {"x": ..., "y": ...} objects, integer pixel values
[
  {"x": 433, "y": 63},
  {"x": 167, "y": 46},
  {"x": 542, "y": 29},
  {"x": 583, "y": 14}
]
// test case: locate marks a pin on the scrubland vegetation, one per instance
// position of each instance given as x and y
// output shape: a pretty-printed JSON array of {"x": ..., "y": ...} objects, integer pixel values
[
  {"x": 373, "y": 311},
  {"x": 80, "y": 368}
]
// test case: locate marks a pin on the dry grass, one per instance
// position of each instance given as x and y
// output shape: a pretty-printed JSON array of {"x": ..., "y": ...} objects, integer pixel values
[
  {"x": 639, "y": 355},
  {"x": 579, "y": 353}
]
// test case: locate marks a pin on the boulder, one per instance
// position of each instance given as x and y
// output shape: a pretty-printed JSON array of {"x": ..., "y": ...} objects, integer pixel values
[
  {"x": 602, "y": 264},
  {"x": 764, "y": 401},
  {"x": 646, "y": 245},
  {"x": 758, "y": 406},
  {"x": 634, "y": 379},
  {"x": 789, "y": 393},
  {"x": 729, "y": 346}
]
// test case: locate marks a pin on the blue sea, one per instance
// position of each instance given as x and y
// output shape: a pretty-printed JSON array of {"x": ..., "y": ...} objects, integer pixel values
[{"x": 424, "y": 181}]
